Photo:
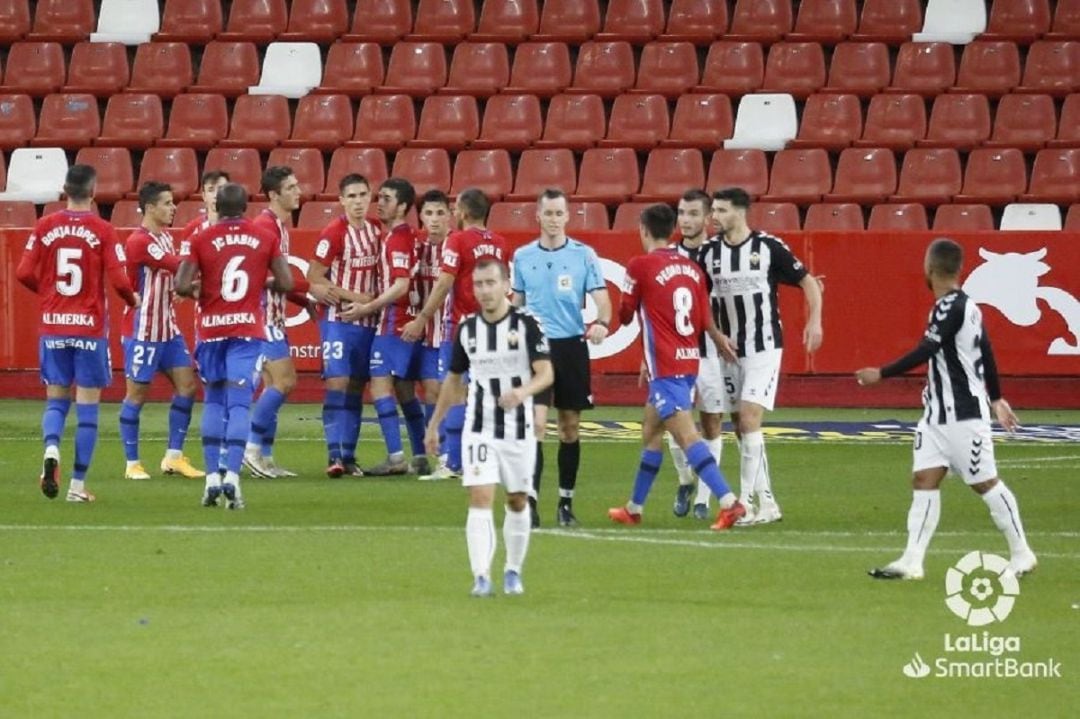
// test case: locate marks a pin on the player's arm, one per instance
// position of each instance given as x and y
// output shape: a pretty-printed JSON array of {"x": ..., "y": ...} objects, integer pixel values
[
  {"x": 115, "y": 261},
  {"x": 185, "y": 278},
  {"x": 723, "y": 343},
  {"x": 140, "y": 251},
  {"x": 392, "y": 294},
  {"x": 27, "y": 271},
  {"x": 630, "y": 298},
  {"x": 282, "y": 276},
  {"x": 812, "y": 333},
  {"x": 943, "y": 325},
  {"x": 449, "y": 394},
  {"x": 415, "y": 329},
  {"x": 597, "y": 289},
  {"x": 1004, "y": 413},
  {"x": 540, "y": 360},
  {"x": 517, "y": 287}
]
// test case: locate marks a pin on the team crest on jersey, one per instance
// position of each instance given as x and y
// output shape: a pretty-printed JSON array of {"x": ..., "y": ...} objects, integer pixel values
[
  {"x": 755, "y": 261},
  {"x": 512, "y": 339},
  {"x": 565, "y": 282},
  {"x": 470, "y": 345}
]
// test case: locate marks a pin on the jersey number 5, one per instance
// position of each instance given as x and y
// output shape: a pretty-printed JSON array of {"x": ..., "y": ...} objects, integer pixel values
[
  {"x": 69, "y": 273},
  {"x": 683, "y": 300},
  {"x": 234, "y": 281}
]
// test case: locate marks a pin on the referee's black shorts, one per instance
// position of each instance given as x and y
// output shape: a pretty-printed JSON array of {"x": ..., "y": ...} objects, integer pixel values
[{"x": 573, "y": 381}]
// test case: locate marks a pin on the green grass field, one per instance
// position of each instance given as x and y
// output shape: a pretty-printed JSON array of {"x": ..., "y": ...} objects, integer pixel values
[{"x": 349, "y": 598}]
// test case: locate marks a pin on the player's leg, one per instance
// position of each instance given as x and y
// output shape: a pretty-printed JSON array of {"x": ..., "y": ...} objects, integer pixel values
[
  {"x": 385, "y": 353},
  {"x": 712, "y": 403},
  {"x": 360, "y": 375},
  {"x": 58, "y": 374},
  {"x": 176, "y": 364},
  {"x": 569, "y": 462},
  {"x": 686, "y": 478},
  {"x": 240, "y": 361},
  {"x": 210, "y": 359},
  {"x": 333, "y": 416},
  {"x": 429, "y": 383},
  {"x": 412, "y": 410},
  {"x": 515, "y": 458},
  {"x": 480, "y": 477},
  {"x": 454, "y": 423},
  {"x": 681, "y": 425},
  {"x": 138, "y": 372},
  {"x": 279, "y": 378},
  {"x": 648, "y": 466},
  {"x": 711, "y": 431},
  {"x": 761, "y": 374},
  {"x": 541, "y": 403},
  {"x": 92, "y": 373},
  {"x": 283, "y": 381},
  {"x": 572, "y": 394}
]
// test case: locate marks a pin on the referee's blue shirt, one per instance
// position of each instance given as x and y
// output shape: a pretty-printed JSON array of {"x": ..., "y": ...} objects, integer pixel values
[{"x": 554, "y": 284}]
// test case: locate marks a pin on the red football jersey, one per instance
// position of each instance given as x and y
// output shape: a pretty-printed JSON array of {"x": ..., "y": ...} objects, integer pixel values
[
  {"x": 396, "y": 260},
  {"x": 233, "y": 257},
  {"x": 275, "y": 301},
  {"x": 428, "y": 268},
  {"x": 65, "y": 261},
  {"x": 352, "y": 256},
  {"x": 151, "y": 266},
  {"x": 667, "y": 291},
  {"x": 462, "y": 251}
]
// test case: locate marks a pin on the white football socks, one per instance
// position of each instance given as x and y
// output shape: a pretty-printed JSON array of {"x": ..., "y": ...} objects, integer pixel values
[
  {"x": 516, "y": 528},
  {"x": 753, "y": 470},
  {"x": 1005, "y": 512},
  {"x": 922, "y": 521},
  {"x": 480, "y": 539},
  {"x": 678, "y": 458}
]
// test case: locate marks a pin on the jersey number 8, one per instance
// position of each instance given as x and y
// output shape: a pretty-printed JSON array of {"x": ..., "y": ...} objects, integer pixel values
[{"x": 683, "y": 300}]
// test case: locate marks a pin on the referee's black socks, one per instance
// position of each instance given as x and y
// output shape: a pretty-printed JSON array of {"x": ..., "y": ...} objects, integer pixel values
[{"x": 569, "y": 461}]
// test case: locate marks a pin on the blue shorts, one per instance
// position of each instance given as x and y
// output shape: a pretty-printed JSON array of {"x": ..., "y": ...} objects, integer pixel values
[
  {"x": 66, "y": 359},
  {"x": 143, "y": 359},
  {"x": 276, "y": 345},
  {"x": 233, "y": 359},
  {"x": 672, "y": 394},
  {"x": 392, "y": 356},
  {"x": 346, "y": 349},
  {"x": 430, "y": 363},
  {"x": 446, "y": 352}
]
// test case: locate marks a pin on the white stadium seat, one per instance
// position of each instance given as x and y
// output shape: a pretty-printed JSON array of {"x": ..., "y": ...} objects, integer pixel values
[
  {"x": 952, "y": 21},
  {"x": 766, "y": 122},
  {"x": 291, "y": 69},
  {"x": 1031, "y": 216},
  {"x": 130, "y": 22},
  {"x": 36, "y": 174}
]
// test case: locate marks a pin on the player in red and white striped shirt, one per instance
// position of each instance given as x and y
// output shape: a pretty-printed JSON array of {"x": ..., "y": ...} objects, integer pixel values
[{"x": 152, "y": 341}]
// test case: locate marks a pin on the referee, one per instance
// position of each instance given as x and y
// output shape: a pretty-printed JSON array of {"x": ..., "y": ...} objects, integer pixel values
[{"x": 551, "y": 277}]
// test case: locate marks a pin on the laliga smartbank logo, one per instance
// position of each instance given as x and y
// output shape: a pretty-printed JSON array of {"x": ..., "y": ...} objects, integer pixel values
[{"x": 981, "y": 590}]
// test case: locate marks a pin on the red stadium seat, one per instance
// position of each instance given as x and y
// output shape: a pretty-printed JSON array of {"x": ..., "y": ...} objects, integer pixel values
[
  {"x": 637, "y": 121},
  {"x": 427, "y": 169},
  {"x": 381, "y": 21},
  {"x": 99, "y": 68},
  {"x": 66, "y": 21},
  {"x": 604, "y": 68},
  {"x": 930, "y": 176},
  {"x": 1027, "y": 122},
  {"x": 17, "y": 214},
  {"x": 860, "y": 68},
  {"x": 827, "y": 21},
  {"x": 478, "y": 68},
  {"x": 764, "y": 21},
  {"x": 416, "y": 68},
  {"x": 508, "y": 21},
  {"x": 540, "y": 68},
  {"x": 607, "y": 175},
  {"x": 34, "y": 68},
  {"x": 228, "y": 68},
  {"x": 186, "y": 211},
  {"x": 317, "y": 214},
  {"x": 574, "y": 121},
  {"x": 1055, "y": 177},
  {"x": 448, "y": 121},
  {"x": 176, "y": 166},
  {"x": 864, "y": 176},
  {"x": 991, "y": 68},
  {"x": 961, "y": 121},
  {"x": 487, "y": 170},
  {"x": 540, "y": 169},
  {"x": 18, "y": 123},
  {"x": 898, "y": 217},
  {"x": 384, "y": 121},
  {"x": 747, "y": 169},
  {"x": 572, "y": 21},
  {"x": 190, "y": 21},
  {"x": 889, "y": 21},
  {"x": 367, "y": 161},
  {"x": 925, "y": 68},
  {"x": 125, "y": 214},
  {"x": 132, "y": 120},
  {"x": 115, "y": 178},
  {"x": 352, "y": 68},
  {"x": 1069, "y": 128},
  {"x": 701, "y": 121},
  {"x": 628, "y": 216},
  {"x": 993, "y": 177},
  {"x": 1072, "y": 219},
  {"x": 258, "y": 21},
  {"x": 14, "y": 20},
  {"x": 963, "y": 218},
  {"x": 306, "y": 163},
  {"x": 829, "y": 121},
  {"x": 834, "y": 217},
  {"x": 322, "y": 121},
  {"x": 697, "y": 21},
  {"x": 733, "y": 68},
  {"x": 1052, "y": 68},
  {"x": 797, "y": 68},
  {"x": 668, "y": 174},
  {"x": 68, "y": 121},
  {"x": 259, "y": 121},
  {"x": 1066, "y": 21},
  {"x": 514, "y": 217},
  {"x": 667, "y": 68},
  {"x": 799, "y": 176},
  {"x": 162, "y": 68},
  {"x": 242, "y": 163},
  {"x": 196, "y": 120},
  {"x": 636, "y": 21},
  {"x": 773, "y": 216},
  {"x": 321, "y": 21},
  {"x": 446, "y": 21},
  {"x": 894, "y": 121},
  {"x": 510, "y": 121},
  {"x": 1017, "y": 20}
]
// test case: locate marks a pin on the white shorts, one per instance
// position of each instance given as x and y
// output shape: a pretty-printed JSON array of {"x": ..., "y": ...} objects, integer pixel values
[
  {"x": 709, "y": 388},
  {"x": 509, "y": 462},
  {"x": 967, "y": 448},
  {"x": 752, "y": 379}
]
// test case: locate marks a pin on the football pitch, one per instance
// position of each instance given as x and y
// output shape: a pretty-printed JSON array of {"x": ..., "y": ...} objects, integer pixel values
[{"x": 349, "y": 597}]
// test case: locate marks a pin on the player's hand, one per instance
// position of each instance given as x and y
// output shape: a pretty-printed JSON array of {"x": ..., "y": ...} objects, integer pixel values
[
  {"x": 643, "y": 375},
  {"x": 511, "y": 398},
  {"x": 868, "y": 376},
  {"x": 725, "y": 347},
  {"x": 812, "y": 336},
  {"x": 323, "y": 293},
  {"x": 820, "y": 279},
  {"x": 413, "y": 329},
  {"x": 597, "y": 333},
  {"x": 350, "y": 311},
  {"x": 431, "y": 441},
  {"x": 138, "y": 300},
  {"x": 313, "y": 312},
  {"x": 1005, "y": 415}
]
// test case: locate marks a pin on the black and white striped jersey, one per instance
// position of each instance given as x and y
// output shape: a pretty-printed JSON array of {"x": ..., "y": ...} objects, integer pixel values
[
  {"x": 705, "y": 345},
  {"x": 744, "y": 280},
  {"x": 498, "y": 357},
  {"x": 962, "y": 377}
]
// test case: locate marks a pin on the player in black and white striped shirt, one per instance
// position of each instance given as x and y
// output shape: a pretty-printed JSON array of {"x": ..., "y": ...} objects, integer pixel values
[
  {"x": 505, "y": 354},
  {"x": 954, "y": 433}
]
